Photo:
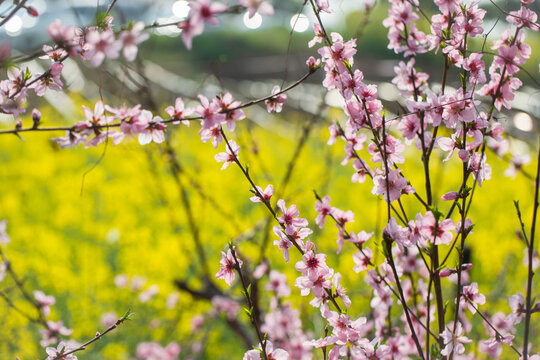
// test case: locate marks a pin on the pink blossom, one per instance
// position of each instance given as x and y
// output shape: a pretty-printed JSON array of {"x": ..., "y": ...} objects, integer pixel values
[
  {"x": 100, "y": 46},
  {"x": 318, "y": 35},
  {"x": 228, "y": 266},
  {"x": 225, "y": 305},
  {"x": 50, "y": 334},
  {"x": 275, "y": 103},
  {"x": 154, "y": 351},
  {"x": 65, "y": 37},
  {"x": 524, "y": 17},
  {"x": 257, "y": 6},
  {"x": 189, "y": 31},
  {"x": 50, "y": 80},
  {"x": 323, "y": 209},
  {"x": 435, "y": 231},
  {"x": 131, "y": 38},
  {"x": 213, "y": 133},
  {"x": 289, "y": 218},
  {"x": 272, "y": 354},
  {"x": 3, "y": 270},
  {"x": 209, "y": 111},
  {"x": 153, "y": 129},
  {"x": 313, "y": 63},
  {"x": 266, "y": 194},
  {"x": 396, "y": 183},
  {"x": 283, "y": 243},
  {"x": 278, "y": 284},
  {"x": 229, "y": 108},
  {"x": 44, "y": 301},
  {"x": 71, "y": 138},
  {"x": 231, "y": 155},
  {"x": 62, "y": 348},
  {"x": 179, "y": 112},
  {"x": 472, "y": 296},
  {"x": 517, "y": 304},
  {"x": 4, "y": 237},
  {"x": 54, "y": 54},
  {"x": 454, "y": 341},
  {"x": 312, "y": 264},
  {"x": 206, "y": 11},
  {"x": 339, "y": 290},
  {"x": 480, "y": 169}
]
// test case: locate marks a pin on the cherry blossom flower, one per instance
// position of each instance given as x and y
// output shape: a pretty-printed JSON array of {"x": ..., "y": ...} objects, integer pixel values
[
  {"x": 100, "y": 46},
  {"x": 50, "y": 80},
  {"x": 437, "y": 232},
  {"x": 3, "y": 270},
  {"x": 232, "y": 150},
  {"x": 472, "y": 296},
  {"x": 290, "y": 218},
  {"x": 189, "y": 31},
  {"x": 339, "y": 290},
  {"x": 278, "y": 284},
  {"x": 266, "y": 194},
  {"x": 4, "y": 237},
  {"x": 257, "y": 6},
  {"x": 225, "y": 305},
  {"x": 396, "y": 183},
  {"x": 517, "y": 304},
  {"x": 454, "y": 341},
  {"x": 209, "y": 111},
  {"x": 44, "y": 301},
  {"x": 275, "y": 103},
  {"x": 61, "y": 349},
  {"x": 213, "y": 133},
  {"x": 228, "y": 266},
  {"x": 206, "y": 11},
  {"x": 323, "y": 209},
  {"x": 283, "y": 243},
  {"x": 272, "y": 354},
  {"x": 53, "y": 54},
  {"x": 153, "y": 129},
  {"x": 312, "y": 264},
  {"x": 178, "y": 112},
  {"x": 154, "y": 351},
  {"x": 51, "y": 333},
  {"x": 71, "y": 139},
  {"x": 65, "y": 37},
  {"x": 229, "y": 108},
  {"x": 132, "y": 37}
]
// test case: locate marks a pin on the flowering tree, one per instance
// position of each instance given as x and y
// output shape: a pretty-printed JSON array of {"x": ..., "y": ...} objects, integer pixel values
[{"x": 416, "y": 264}]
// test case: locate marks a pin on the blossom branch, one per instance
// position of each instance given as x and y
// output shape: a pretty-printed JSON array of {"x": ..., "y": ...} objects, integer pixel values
[
  {"x": 530, "y": 257},
  {"x": 64, "y": 355}
]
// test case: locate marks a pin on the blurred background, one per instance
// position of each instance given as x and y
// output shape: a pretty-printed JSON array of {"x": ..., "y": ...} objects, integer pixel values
[{"x": 129, "y": 227}]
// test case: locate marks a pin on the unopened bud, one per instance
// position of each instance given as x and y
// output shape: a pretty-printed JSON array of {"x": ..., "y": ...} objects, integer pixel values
[
  {"x": 36, "y": 118},
  {"x": 445, "y": 272},
  {"x": 452, "y": 195},
  {"x": 32, "y": 11}
]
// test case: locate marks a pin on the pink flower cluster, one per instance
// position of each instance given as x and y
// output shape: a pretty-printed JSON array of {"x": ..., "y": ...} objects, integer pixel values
[{"x": 154, "y": 351}]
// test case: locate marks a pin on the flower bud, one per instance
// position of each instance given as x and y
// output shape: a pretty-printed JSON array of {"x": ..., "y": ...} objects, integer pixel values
[
  {"x": 445, "y": 272},
  {"x": 36, "y": 118},
  {"x": 32, "y": 11}
]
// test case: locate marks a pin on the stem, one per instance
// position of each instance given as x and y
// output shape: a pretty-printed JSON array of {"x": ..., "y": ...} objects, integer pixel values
[
  {"x": 531, "y": 254},
  {"x": 254, "y": 320}
]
